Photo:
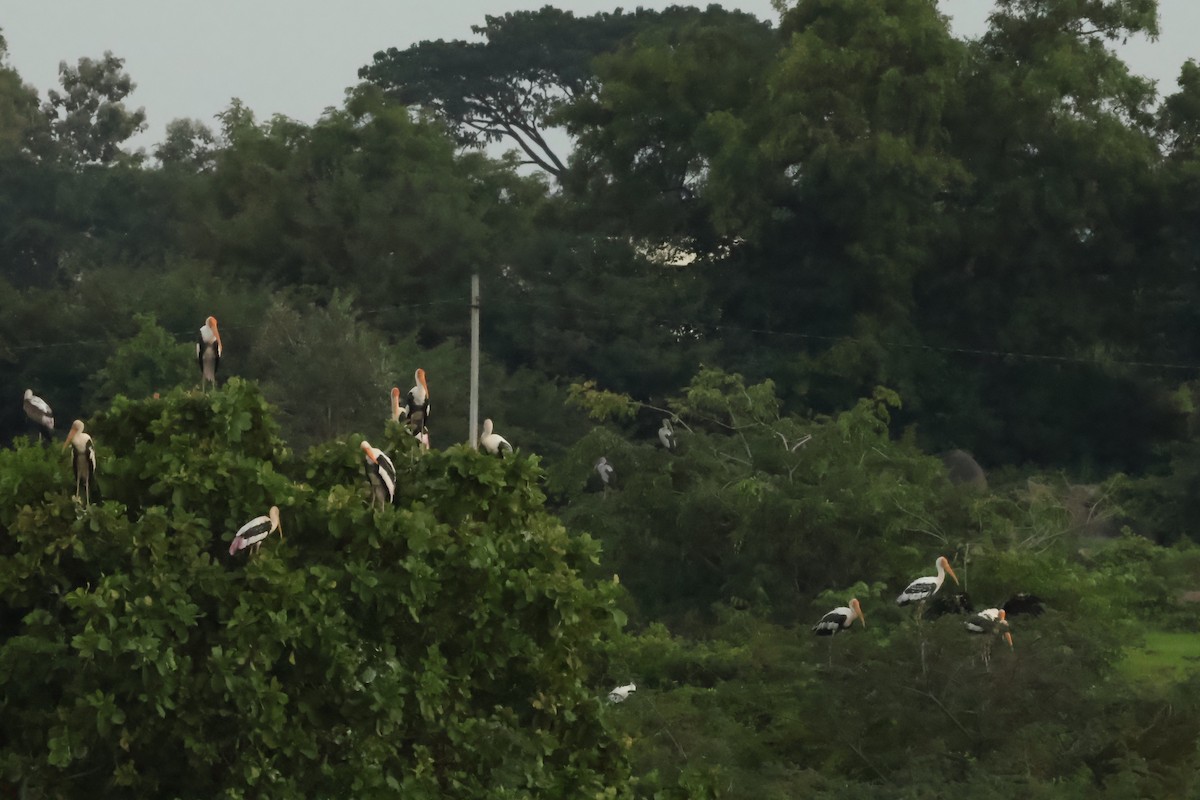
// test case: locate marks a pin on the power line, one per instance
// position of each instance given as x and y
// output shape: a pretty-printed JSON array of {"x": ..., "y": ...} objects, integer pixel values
[
  {"x": 713, "y": 327},
  {"x": 974, "y": 351}
]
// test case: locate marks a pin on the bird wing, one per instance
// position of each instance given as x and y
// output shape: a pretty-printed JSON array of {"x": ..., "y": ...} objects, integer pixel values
[
  {"x": 252, "y": 527},
  {"x": 832, "y": 622},
  {"x": 91, "y": 454},
  {"x": 387, "y": 474},
  {"x": 920, "y": 589},
  {"x": 40, "y": 405}
]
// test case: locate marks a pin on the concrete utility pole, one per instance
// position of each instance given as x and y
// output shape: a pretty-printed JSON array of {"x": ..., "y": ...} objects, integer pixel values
[{"x": 473, "y": 435}]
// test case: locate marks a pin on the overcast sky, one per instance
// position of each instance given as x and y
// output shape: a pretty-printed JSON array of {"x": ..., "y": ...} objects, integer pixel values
[{"x": 296, "y": 57}]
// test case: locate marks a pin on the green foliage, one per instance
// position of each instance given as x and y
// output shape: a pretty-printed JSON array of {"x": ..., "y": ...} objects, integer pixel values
[
  {"x": 151, "y": 362},
  {"x": 601, "y": 404},
  {"x": 447, "y": 646},
  {"x": 758, "y": 509}
]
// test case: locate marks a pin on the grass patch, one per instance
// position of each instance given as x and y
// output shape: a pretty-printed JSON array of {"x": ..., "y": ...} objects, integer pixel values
[{"x": 1164, "y": 658}]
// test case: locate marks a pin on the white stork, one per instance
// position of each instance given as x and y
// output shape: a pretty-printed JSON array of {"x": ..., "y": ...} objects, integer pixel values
[
  {"x": 208, "y": 352},
  {"x": 84, "y": 460},
  {"x": 255, "y": 531},
  {"x": 621, "y": 693},
  {"x": 840, "y": 619},
  {"x": 604, "y": 470},
  {"x": 39, "y": 413},
  {"x": 493, "y": 443},
  {"x": 922, "y": 589},
  {"x": 381, "y": 472},
  {"x": 990, "y": 622},
  {"x": 666, "y": 434}
]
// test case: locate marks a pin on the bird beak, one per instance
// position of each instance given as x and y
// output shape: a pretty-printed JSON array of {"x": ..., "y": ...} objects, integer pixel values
[
  {"x": 421, "y": 380},
  {"x": 858, "y": 610},
  {"x": 74, "y": 430},
  {"x": 1008, "y": 638},
  {"x": 366, "y": 448},
  {"x": 950, "y": 570}
]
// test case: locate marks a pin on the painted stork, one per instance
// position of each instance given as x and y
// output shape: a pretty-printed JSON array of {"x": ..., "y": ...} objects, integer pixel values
[
  {"x": 621, "y": 693},
  {"x": 990, "y": 622},
  {"x": 208, "y": 352},
  {"x": 255, "y": 531},
  {"x": 666, "y": 434},
  {"x": 493, "y": 443},
  {"x": 416, "y": 404},
  {"x": 922, "y": 589},
  {"x": 840, "y": 619},
  {"x": 84, "y": 460},
  {"x": 381, "y": 472},
  {"x": 604, "y": 470},
  {"x": 39, "y": 413}
]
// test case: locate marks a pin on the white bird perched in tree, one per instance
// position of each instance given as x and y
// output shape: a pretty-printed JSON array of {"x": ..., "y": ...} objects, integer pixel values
[
  {"x": 922, "y": 589},
  {"x": 255, "y": 531},
  {"x": 39, "y": 413},
  {"x": 493, "y": 443},
  {"x": 666, "y": 434},
  {"x": 604, "y": 470},
  {"x": 84, "y": 460},
  {"x": 208, "y": 352},
  {"x": 381, "y": 472},
  {"x": 840, "y": 619},
  {"x": 991, "y": 622},
  {"x": 619, "y": 694}
]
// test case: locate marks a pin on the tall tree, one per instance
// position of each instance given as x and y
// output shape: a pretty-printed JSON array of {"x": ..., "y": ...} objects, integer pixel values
[
  {"x": 89, "y": 120},
  {"x": 511, "y": 86}
]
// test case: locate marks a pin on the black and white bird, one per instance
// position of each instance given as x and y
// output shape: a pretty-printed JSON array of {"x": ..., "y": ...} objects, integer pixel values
[
  {"x": 991, "y": 622},
  {"x": 416, "y": 404},
  {"x": 604, "y": 470},
  {"x": 922, "y": 589},
  {"x": 840, "y": 619},
  {"x": 39, "y": 413},
  {"x": 84, "y": 459},
  {"x": 208, "y": 352},
  {"x": 255, "y": 531},
  {"x": 621, "y": 693},
  {"x": 493, "y": 443},
  {"x": 381, "y": 472},
  {"x": 666, "y": 434}
]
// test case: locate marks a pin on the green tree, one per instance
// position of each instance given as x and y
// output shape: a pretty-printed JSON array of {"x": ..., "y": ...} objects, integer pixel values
[
  {"x": 511, "y": 85},
  {"x": 152, "y": 362},
  {"x": 189, "y": 145},
  {"x": 89, "y": 120}
]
